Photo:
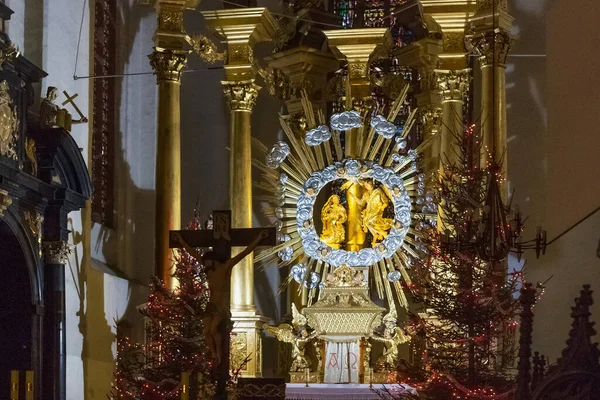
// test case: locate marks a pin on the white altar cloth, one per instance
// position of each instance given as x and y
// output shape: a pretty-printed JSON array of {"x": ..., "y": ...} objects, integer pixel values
[{"x": 317, "y": 391}]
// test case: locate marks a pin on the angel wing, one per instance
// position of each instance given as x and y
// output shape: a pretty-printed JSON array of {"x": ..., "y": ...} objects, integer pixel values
[
  {"x": 401, "y": 337},
  {"x": 298, "y": 318},
  {"x": 283, "y": 332},
  {"x": 347, "y": 185}
]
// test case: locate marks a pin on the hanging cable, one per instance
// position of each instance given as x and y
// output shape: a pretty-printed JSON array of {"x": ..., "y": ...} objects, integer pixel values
[{"x": 79, "y": 40}]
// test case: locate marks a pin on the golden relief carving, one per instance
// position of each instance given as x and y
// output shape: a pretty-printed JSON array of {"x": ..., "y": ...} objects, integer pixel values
[
  {"x": 492, "y": 5},
  {"x": 333, "y": 216},
  {"x": 206, "y": 49},
  {"x": 168, "y": 64},
  {"x": 241, "y": 95},
  {"x": 240, "y": 53},
  {"x": 431, "y": 119},
  {"x": 373, "y": 203},
  {"x": 358, "y": 69},
  {"x": 238, "y": 350},
  {"x": 491, "y": 47},
  {"x": 5, "y": 202},
  {"x": 34, "y": 220},
  {"x": 9, "y": 123},
  {"x": 453, "y": 84},
  {"x": 170, "y": 20},
  {"x": 453, "y": 42},
  {"x": 31, "y": 153}
]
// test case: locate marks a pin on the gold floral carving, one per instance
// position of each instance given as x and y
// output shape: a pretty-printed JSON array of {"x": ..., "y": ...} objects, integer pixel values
[
  {"x": 9, "y": 123},
  {"x": 206, "y": 49},
  {"x": 241, "y": 95},
  {"x": 168, "y": 64},
  {"x": 453, "y": 42},
  {"x": 5, "y": 201},
  {"x": 358, "y": 69},
  {"x": 454, "y": 84},
  {"x": 490, "y": 5},
  {"x": 170, "y": 20},
  {"x": 31, "y": 152},
  {"x": 57, "y": 252},
  {"x": 491, "y": 47},
  {"x": 237, "y": 351},
  {"x": 431, "y": 119},
  {"x": 240, "y": 53}
]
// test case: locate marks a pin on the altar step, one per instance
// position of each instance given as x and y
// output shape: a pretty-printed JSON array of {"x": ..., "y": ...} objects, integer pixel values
[{"x": 343, "y": 391}]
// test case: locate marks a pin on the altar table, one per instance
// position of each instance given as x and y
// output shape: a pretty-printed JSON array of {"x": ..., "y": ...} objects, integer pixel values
[{"x": 317, "y": 391}]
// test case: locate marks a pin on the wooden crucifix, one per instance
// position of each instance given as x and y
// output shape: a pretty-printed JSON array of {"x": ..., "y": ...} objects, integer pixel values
[{"x": 219, "y": 264}]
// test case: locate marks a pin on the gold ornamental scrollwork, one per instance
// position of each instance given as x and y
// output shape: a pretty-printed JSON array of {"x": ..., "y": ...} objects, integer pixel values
[
  {"x": 453, "y": 85},
  {"x": 57, "y": 252},
  {"x": 170, "y": 20},
  {"x": 238, "y": 349},
  {"x": 206, "y": 49},
  {"x": 5, "y": 202},
  {"x": 491, "y": 47},
  {"x": 240, "y": 54},
  {"x": 9, "y": 123},
  {"x": 240, "y": 96},
  {"x": 168, "y": 64}
]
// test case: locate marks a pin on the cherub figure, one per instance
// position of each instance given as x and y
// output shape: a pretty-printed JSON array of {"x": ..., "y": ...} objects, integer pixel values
[{"x": 219, "y": 277}]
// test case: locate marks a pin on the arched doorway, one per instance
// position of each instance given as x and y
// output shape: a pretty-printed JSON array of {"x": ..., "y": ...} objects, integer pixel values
[{"x": 16, "y": 310}]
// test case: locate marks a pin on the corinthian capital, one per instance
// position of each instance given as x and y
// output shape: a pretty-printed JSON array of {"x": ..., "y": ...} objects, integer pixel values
[
  {"x": 491, "y": 47},
  {"x": 240, "y": 95},
  {"x": 168, "y": 64},
  {"x": 453, "y": 85},
  {"x": 57, "y": 252}
]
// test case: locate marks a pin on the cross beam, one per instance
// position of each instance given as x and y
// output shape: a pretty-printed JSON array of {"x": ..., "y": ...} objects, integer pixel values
[{"x": 222, "y": 237}]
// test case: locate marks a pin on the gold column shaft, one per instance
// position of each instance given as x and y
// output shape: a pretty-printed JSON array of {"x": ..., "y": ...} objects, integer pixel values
[
  {"x": 168, "y": 174},
  {"x": 167, "y": 65},
  {"x": 493, "y": 112},
  {"x": 240, "y": 201}
]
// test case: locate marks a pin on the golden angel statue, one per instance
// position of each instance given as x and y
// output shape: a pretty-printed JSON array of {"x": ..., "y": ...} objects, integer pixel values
[
  {"x": 392, "y": 336},
  {"x": 333, "y": 216},
  {"x": 285, "y": 333},
  {"x": 374, "y": 201}
]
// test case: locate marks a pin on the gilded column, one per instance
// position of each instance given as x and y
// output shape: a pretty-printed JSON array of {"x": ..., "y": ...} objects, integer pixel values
[
  {"x": 491, "y": 41},
  {"x": 453, "y": 86},
  {"x": 168, "y": 60},
  {"x": 356, "y": 46},
  {"x": 241, "y": 29}
]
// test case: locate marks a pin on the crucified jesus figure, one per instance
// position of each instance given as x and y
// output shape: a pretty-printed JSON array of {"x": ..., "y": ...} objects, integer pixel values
[{"x": 219, "y": 277}]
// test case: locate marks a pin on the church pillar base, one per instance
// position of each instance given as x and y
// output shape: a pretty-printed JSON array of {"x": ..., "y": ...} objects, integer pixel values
[{"x": 246, "y": 341}]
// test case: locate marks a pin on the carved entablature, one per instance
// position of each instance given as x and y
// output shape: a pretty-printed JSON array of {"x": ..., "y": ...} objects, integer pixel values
[
  {"x": 168, "y": 64},
  {"x": 9, "y": 123},
  {"x": 241, "y": 95},
  {"x": 57, "y": 252},
  {"x": 491, "y": 47},
  {"x": 453, "y": 85}
]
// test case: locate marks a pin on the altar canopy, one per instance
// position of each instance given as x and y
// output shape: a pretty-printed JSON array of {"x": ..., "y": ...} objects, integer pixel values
[{"x": 342, "y": 362}]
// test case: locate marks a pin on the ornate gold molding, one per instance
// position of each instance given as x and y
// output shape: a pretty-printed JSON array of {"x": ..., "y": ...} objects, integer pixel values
[
  {"x": 453, "y": 85},
  {"x": 57, "y": 252},
  {"x": 168, "y": 64},
  {"x": 491, "y": 47},
  {"x": 5, "y": 201},
  {"x": 9, "y": 123},
  {"x": 170, "y": 20},
  {"x": 206, "y": 49},
  {"x": 238, "y": 350},
  {"x": 240, "y": 96}
]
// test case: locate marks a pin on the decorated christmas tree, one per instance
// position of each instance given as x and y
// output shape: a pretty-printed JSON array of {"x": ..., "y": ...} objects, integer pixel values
[
  {"x": 175, "y": 343},
  {"x": 467, "y": 295}
]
